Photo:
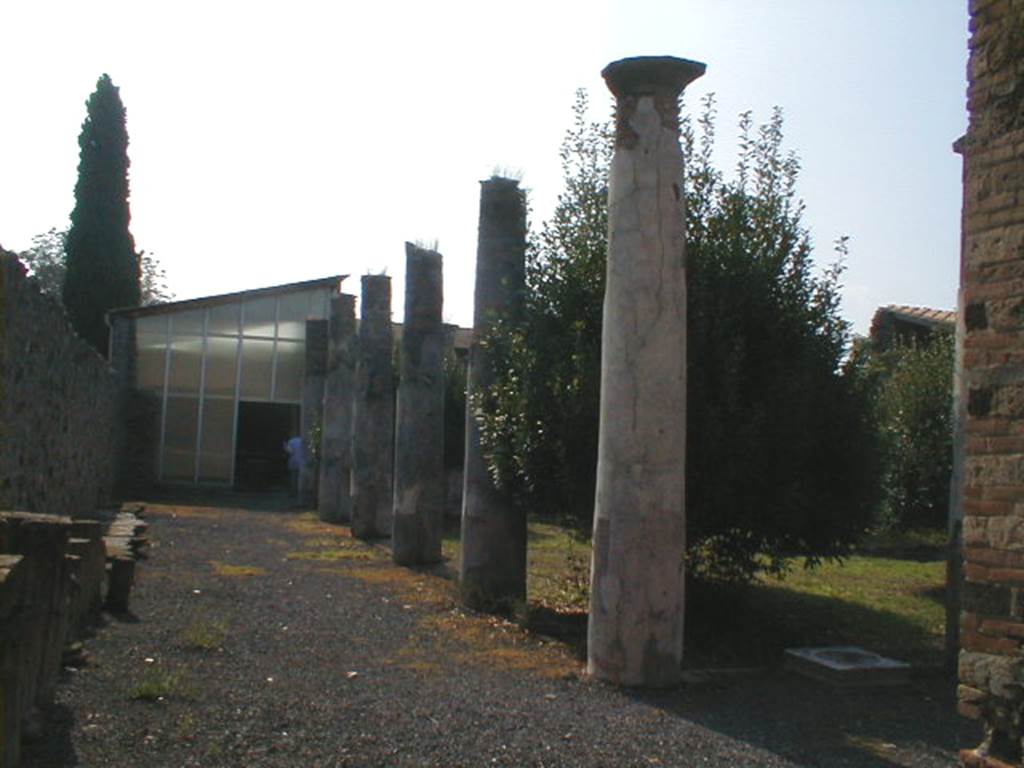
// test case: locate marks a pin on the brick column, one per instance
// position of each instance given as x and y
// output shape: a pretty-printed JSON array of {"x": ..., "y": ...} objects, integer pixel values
[{"x": 991, "y": 664}]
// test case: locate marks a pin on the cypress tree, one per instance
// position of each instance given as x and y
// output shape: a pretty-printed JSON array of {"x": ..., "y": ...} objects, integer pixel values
[{"x": 102, "y": 266}]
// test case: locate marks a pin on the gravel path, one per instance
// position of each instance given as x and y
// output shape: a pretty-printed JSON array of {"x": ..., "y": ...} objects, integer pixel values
[{"x": 264, "y": 638}]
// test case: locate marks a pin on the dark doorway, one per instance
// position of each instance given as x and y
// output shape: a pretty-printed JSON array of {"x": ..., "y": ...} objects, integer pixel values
[{"x": 260, "y": 461}]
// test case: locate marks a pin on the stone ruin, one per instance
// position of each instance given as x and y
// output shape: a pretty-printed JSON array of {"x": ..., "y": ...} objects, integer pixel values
[
  {"x": 72, "y": 555},
  {"x": 635, "y": 632},
  {"x": 492, "y": 564},
  {"x": 991, "y": 372},
  {"x": 51, "y": 567},
  {"x": 419, "y": 490}
]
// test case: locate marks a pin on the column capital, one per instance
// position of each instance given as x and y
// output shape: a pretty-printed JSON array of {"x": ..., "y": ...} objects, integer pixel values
[{"x": 651, "y": 75}]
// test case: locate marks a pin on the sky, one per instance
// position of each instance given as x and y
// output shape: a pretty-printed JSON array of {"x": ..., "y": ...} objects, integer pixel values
[{"x": 278, "y": 142}]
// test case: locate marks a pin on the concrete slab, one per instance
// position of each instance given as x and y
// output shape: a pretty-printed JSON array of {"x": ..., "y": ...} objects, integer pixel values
[{"x": 847, "y": 666}]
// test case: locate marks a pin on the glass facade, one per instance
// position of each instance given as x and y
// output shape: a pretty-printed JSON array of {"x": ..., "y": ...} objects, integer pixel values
[{"x": 203, "y": 361}]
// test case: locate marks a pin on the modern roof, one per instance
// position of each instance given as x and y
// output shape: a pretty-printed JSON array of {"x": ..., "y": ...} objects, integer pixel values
[{"x": 334, "y": 281}]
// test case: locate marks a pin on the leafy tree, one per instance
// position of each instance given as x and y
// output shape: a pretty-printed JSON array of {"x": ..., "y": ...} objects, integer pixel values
[
  {"x": 154, "y": 280},
  {"x": 46, "y": 261},
  {"x": 780, "y": 457},
  {"x": 912, "y": 391},
  {"x": 102, "y": 265}
]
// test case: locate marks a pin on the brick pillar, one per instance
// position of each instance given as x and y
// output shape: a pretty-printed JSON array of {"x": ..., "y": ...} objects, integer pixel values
[
  {"x": 492, "y": 562},
  {"x": 419, "y": 433},
  {"x": 373, "y": 437},
  {"x": 335, "y": 502},
  {"x": 635, "y": 631},
  {"x": 991, "y": 664},
  {"x": 312, "y": 406}
]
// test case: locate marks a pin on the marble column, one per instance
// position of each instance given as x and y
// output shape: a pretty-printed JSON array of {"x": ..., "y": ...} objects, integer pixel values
[
  {"x": 492, "y": 566},
  {"x": 419, "y": 441},
  {"x": 373, "y": 434},
  {"x": 312, "y": 406},
  {"x": 635, "y": 633},
  {"x": 335, "y": 502}
]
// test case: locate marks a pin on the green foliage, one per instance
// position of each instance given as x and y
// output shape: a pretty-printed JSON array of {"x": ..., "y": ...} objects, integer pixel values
[
  {"x": 912, "y": 388},
  {"x": 102, "y": 265},
  {"x": 205, "y": 634},
  {"x": 780, "y": 456},
  {"x": 46, "y": 261},
  {"x": 538, "y": 423},
  {"x": 153, "y": 286},
  {"x": 454, "y": 411},
  {"x": 157, "y": 684}
]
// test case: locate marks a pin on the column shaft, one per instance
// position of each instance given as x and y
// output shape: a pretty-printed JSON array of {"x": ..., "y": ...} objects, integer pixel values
[
  {"x": 335, "y": 502},
  {"x": 419, "y": 443},
  {"x": 374, "y": 413},
  {"x": 492, "y": 567},
  {"x": 312, "y": 406},
  {"x": 635, "y": 633}
]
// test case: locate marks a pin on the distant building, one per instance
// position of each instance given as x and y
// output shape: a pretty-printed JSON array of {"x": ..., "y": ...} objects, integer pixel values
[
  {"x": 225, "y": 375},
  {"x": 902, "y": 324}
]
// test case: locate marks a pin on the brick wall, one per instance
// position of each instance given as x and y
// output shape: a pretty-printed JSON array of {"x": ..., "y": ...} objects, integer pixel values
[
  {"x": 992, "y": 621},
  {"x": 57, "y": 406}
]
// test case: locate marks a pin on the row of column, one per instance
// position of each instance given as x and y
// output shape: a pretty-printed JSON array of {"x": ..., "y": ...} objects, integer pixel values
[
  {"x": 380, "y": 468},
  {"x": 635, "y": 634}
]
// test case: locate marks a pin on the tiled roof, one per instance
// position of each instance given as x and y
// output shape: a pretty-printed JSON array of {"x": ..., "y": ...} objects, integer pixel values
[{"x": 924, "y": 315}]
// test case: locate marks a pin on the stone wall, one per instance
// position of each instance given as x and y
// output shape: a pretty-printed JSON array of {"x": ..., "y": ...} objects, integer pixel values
[
  {"x": 57, "y": 405},
  {"x": 992, "y": 622}
]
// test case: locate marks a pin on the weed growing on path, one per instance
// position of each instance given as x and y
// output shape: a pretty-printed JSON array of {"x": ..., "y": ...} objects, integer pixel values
[
  {"x": 158, "y": 684},
  {"x": 225, "y": 569},
  {"x": 205, "y": 634}
]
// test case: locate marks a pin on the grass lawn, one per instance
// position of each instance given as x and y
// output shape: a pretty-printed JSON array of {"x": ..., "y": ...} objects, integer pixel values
[{"x": 888, "y": 599}]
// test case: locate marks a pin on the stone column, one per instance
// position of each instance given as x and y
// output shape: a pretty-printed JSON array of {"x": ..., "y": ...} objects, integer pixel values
[
  {"x": 374, "y": 412},
  {"x": 335, "y": 502},
  {"x": 419, "y": 440},
  {"x": 492, "y": 566},
  {"x": 312, "y": 406},
  {"x": 122, "y": 361},
  {"x": 635, "y": 634}
]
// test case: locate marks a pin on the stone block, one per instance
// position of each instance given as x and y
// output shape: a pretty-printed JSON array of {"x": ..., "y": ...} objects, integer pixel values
[
  {"x": 970, "y": 695},
  {"x": 994, "y": 674},
  {"x": 42, "y": 541},
  {"x": 1006, "y": 533},
  {"x": 12, "y": 585},
  {"x": 990, "y": 471},
  {"x": 986, "y": 599},
  {"x": 975, "y": 531},
  {"x": 88, "y": 600},
  {"x": 120, "y": 577}
]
